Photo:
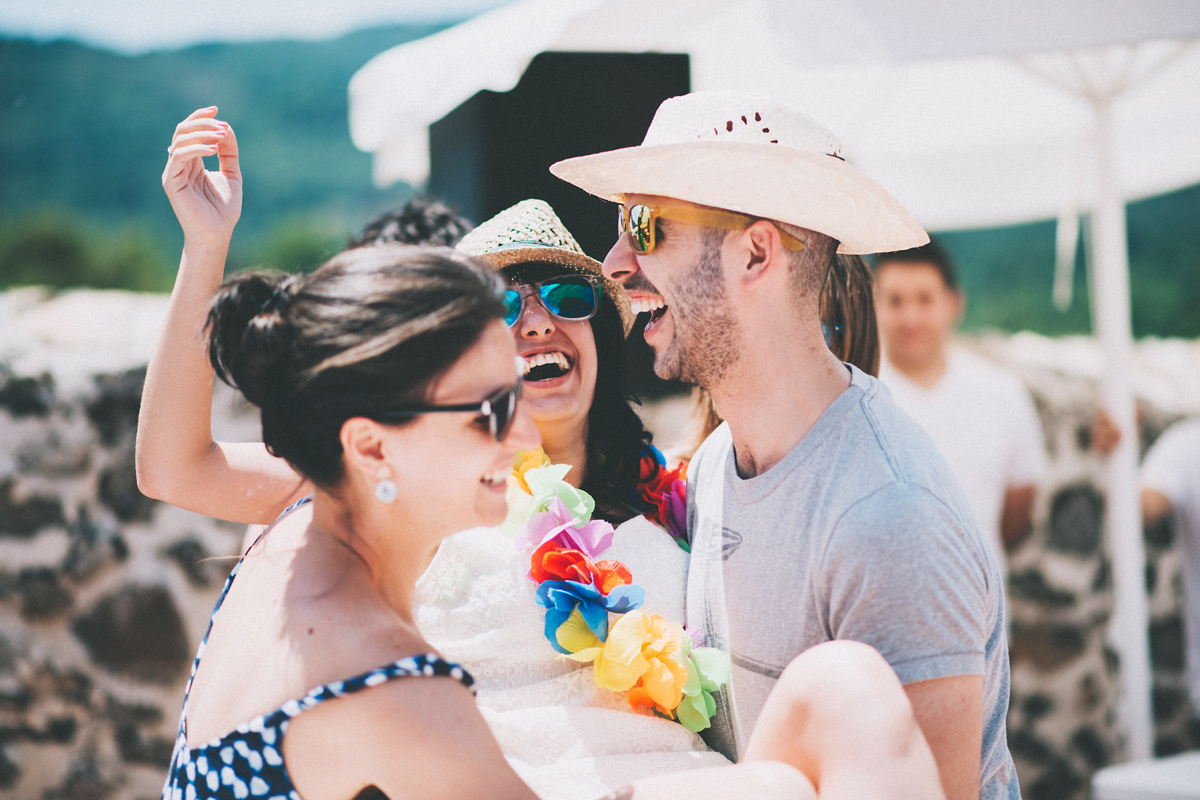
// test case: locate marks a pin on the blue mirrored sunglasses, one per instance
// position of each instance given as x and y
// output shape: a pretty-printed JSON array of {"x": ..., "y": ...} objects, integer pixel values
[{"x": 569, "y": 297}]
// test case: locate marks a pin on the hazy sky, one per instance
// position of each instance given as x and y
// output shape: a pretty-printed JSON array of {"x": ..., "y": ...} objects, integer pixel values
[{"x": 135, "y": 26}]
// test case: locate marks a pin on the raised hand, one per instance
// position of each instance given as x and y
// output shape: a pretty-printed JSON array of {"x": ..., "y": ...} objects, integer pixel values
[{"x": 207, "y": 204}]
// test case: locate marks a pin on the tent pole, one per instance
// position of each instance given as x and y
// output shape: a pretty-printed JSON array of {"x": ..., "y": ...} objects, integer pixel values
[{"x": 1128, "y": 631}]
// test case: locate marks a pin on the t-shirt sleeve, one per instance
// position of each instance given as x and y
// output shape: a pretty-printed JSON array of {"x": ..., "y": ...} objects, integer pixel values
[
  {"x": 905, "y": 575},
  {"x": 1027, "y": 461},
  {"x": 1173, "y": 462}
]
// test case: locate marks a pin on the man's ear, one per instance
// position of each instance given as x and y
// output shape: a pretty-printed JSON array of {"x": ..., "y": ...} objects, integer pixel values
[
  {"x": 960, "y": 305},
  {"x": 364, "y": 447},
  {"x": 762, "y": 250}
]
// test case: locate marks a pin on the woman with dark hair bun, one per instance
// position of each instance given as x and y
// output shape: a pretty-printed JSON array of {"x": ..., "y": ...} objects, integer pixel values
[{"x": 388, "y": 381}]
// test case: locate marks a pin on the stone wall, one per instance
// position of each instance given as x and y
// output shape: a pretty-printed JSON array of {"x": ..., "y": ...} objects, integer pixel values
[
  {"x": 104, "y": 595},
  {"x": 1064, "y": 676}
]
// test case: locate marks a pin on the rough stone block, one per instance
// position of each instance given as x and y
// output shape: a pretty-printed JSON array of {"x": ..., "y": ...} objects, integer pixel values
[
  {"x": 85, "y": 781},
  {"x": 26, "y": 397},
  {"x": 1026, "y": 746},
  {"x": 8, "y": 655},
  {"x": 136, "y": 632},
  {"x": 94, "y": 545},
  {"x": 1169, "y": 702},
  {"x": 1036, "y": 706},
  {"x": 1090, "y": 743},
  {"x": 189, "y": 554},
  {"x": 1047, "y": 646},
  {"x": 114, "y": 409},
  {"x": 23, "y": 518},
  {"x": 1166, "y": 643},
  {"x": 1058, "y": 781},
  {"x": 9, "y": 771},
  {"x": 154, "y": 751},
  {"x": 1076, "y": 517},
  {"x": 43, "y": 595},
  {"x": 56, "y": 454},
  {"x": 1160, "y": 535},
  {"x": 119, "y": 492},
  {"x": 1031, "y": 585}
]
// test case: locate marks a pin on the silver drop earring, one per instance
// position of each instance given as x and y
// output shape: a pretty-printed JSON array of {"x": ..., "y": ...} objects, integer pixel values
[{"x": 385, "y": 491}]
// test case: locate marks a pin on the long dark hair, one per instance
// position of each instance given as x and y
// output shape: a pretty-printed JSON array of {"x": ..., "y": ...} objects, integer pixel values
[
  {"x": 370, "y": 329},
  {"x": 848, "y": 313},
  {"x": 617, "y": 438}
]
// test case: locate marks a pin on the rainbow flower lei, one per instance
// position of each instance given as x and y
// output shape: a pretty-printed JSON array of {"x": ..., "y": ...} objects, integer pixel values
[
  {"x": 664, "y": 492},
  {"x": 592, "y": 606}
]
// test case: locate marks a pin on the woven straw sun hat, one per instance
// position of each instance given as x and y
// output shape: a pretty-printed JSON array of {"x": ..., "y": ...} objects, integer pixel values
[
  {"x": 530, "y": 232},
  {"x": 756, "y": 156}
]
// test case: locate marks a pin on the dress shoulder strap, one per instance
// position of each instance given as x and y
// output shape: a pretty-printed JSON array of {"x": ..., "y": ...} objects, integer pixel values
[{"x": 427, "y": 665}]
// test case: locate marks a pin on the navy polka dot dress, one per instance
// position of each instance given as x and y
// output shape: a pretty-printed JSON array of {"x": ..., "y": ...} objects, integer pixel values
[{"x": 248, "y": 762}]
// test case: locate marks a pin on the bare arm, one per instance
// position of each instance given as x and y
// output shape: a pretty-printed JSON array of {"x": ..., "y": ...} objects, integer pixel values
[
  {"x": 1016, "y": 515},
  {"x": 177, "y": 459},
  {"x": 949, "y": 712},
  {"x": 425, "y": 737},
  {"x": 1155, "y": 506}
]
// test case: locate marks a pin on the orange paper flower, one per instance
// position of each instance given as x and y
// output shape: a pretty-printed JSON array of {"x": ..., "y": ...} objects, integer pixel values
[
  {"x": 552, "y": 562},
  {"x": 644, "y": 656}
]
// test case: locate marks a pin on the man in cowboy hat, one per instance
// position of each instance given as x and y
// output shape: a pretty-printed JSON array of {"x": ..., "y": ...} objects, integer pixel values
[{"x": 818, "y": 510}]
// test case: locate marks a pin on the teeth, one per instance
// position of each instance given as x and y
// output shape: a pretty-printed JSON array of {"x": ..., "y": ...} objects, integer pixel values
[
  {"x": 546, "y": 358},
  {"x": 495, "y": 478},
  {"x": 646, "y": 305}
]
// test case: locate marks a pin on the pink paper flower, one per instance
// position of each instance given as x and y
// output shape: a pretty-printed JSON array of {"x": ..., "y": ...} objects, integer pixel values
[{"x": 558, "y": 524}]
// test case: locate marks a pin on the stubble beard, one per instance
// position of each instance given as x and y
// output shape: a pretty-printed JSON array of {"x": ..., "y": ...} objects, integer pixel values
[{"x": 707, "y": 340}]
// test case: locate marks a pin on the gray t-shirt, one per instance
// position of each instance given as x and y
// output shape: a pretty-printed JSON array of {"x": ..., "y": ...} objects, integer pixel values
[{"x": 858, "y": 533}]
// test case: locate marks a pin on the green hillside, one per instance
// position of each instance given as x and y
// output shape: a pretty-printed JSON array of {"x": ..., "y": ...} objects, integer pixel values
[
  {"x": 83, "y": 136},
  {"x": 1008, "y": 273}
]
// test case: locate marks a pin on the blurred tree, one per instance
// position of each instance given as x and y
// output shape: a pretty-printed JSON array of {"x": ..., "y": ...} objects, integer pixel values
[
  {"x": 299, "y": 245},
  {"x": 56, "y": 249},
  {"x": 48, "y": 249}
]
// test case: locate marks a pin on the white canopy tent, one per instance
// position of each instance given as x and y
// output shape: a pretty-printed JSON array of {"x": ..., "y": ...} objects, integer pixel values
[{"x": 971, "y": 114}]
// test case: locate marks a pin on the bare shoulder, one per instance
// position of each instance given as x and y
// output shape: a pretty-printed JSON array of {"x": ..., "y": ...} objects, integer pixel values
[
  {"x": 300, "y": 614},
  {"x": 414, "y": 735}
]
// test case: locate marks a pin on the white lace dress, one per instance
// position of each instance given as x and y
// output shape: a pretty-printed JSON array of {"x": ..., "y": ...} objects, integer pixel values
[{"x": 563, "y": 735}]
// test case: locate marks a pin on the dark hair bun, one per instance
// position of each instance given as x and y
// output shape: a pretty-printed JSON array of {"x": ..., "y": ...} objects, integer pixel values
[
  {"x": 250, "y": 335},
  {"x": 368, "y": 331}
]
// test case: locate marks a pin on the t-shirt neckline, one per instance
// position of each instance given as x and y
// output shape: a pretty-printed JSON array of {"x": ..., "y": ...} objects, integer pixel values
[{"x": 752, "y": 490}]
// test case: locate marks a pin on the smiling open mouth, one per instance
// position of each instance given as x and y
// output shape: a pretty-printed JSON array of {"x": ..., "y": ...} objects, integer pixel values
[
  {"x": 654, "y": 306},
  {"x": 546, "y": 366}
]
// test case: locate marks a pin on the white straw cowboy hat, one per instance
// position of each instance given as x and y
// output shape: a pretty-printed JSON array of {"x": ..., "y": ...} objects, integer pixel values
[
  {"x": 756, "y": 156},
  {"x": 530, "y": 232}
]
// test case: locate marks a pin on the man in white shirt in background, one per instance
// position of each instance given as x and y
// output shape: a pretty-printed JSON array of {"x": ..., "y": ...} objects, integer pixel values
[
  {"x": 980, "y": 416},
  {"x": 1171, "y": 486}
]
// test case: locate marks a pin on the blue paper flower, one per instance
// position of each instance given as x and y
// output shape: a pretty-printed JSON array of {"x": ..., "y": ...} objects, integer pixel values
[{"x": 560, "y": 598}]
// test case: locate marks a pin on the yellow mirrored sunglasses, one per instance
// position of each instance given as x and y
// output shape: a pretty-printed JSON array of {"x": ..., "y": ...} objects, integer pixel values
[{"x": 638, "y": 220}]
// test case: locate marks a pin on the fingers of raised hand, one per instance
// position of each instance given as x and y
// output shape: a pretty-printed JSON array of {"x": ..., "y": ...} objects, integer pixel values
[
  {"x": 227, "y": 151},
  {"x": 200, "y": 142},
  {"x": 199, "y": 127},
  {"x": 200, "y": 116}
]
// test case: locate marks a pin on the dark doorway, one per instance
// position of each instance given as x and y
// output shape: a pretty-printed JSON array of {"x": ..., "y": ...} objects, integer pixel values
[{"x": 495, "y": 149}]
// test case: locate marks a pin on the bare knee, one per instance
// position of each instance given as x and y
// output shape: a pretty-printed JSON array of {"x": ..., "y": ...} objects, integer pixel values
[
  {"x": 847, "y": 686},
  {"x": 835, "y": 673}
]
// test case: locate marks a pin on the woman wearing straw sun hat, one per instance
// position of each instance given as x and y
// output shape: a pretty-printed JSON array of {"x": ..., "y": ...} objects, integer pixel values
[{"x": 570, "y": 324}]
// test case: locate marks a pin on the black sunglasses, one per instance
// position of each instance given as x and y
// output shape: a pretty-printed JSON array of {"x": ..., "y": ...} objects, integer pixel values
[
  {"x": 569, "y": 297},
  {"x": 499, "y": 408}
]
